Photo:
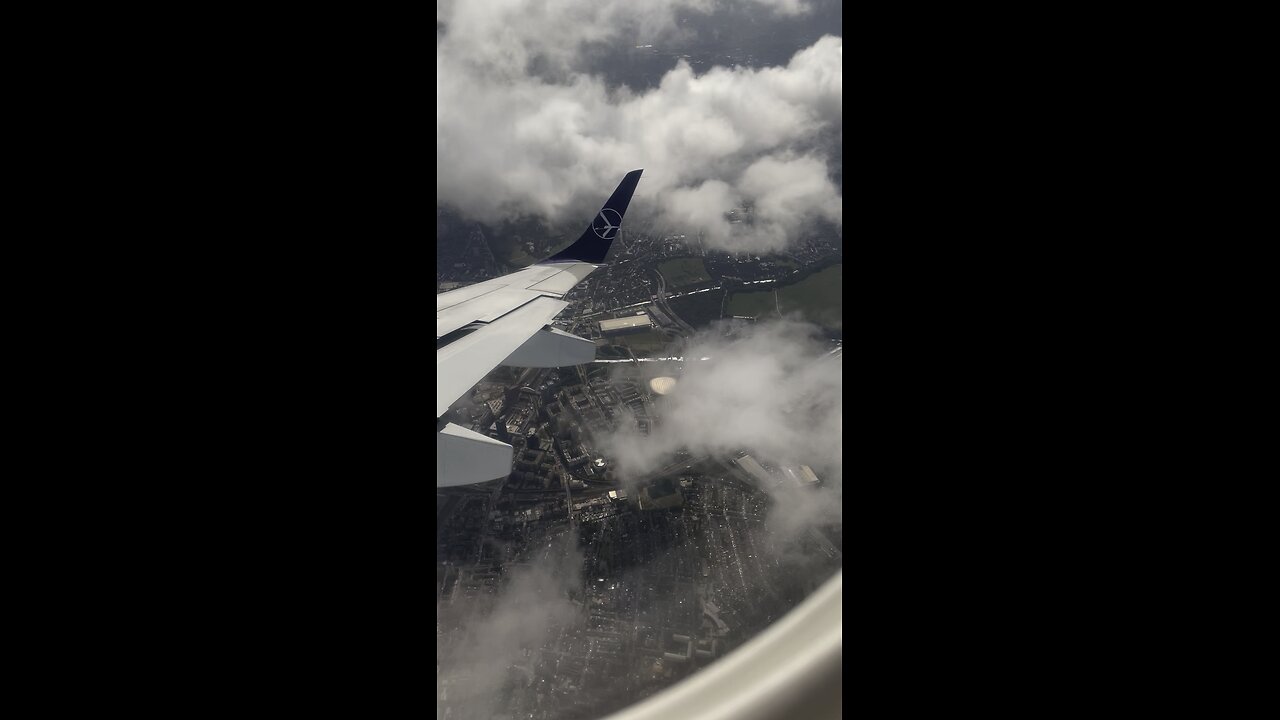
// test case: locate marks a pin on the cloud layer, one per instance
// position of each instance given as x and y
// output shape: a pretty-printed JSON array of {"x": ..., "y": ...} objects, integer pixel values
[
  {"x": 526, "y": 126},
  {"x": 772, "y": 392},
  {"x": 533, "y": 600}
]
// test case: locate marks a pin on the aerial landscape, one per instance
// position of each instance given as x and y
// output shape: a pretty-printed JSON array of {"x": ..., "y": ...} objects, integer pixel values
[{"x": 677, "y": 488}]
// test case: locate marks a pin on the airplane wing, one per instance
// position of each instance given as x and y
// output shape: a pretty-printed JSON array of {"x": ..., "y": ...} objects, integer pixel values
[{"x": 505, "y": 321}]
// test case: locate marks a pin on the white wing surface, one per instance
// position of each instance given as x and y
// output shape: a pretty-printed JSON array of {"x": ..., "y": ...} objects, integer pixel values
[{"x": 505, "y": 321}]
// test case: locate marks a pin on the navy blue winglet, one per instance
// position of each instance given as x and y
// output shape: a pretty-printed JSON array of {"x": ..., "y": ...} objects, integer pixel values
[{"x": 594, "y": 243}]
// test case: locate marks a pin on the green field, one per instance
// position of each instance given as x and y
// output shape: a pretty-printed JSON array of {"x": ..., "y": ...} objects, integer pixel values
[
  {"x": 817, "y": 298},
  {"x": 643, "y": 344},
  {"x": 752, "y": 304},
  {"x": 683, "y": 272}
]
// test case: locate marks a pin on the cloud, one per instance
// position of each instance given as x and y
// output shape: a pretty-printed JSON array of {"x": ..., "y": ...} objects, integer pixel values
[
  {"x": 785, "y": 7},
  {"x": 772, "y": 392},
  {"x": 767, "y": 391},
  {"x": 786, "y": 194},
  {"x": 702, "y": 207},
  {"x": 533, "y": 600},
  {"x": 526, "y": 125}
]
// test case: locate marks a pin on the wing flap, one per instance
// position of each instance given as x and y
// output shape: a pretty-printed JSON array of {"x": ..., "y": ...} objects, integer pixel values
[
  {"x": 525, "y": 278},
  {"x": 464, "y": 457},
  {"x": 486, "y": 308},
  {"x": 462, "y": 364},
  {"x": 489, "y": 300},
  {"x": 446, "y": 300},
  {"x": 549, "y": 348}
]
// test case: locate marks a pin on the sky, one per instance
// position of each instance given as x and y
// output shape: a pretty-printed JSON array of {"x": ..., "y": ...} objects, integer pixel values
[{"x": 541, "y": 108}]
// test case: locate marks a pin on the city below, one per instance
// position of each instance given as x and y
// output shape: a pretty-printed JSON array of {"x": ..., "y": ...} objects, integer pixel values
[{"x": 608, "y": 591}]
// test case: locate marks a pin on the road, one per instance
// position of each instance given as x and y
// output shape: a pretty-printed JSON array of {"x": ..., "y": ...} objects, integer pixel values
[{"x": 662, "y": 302}]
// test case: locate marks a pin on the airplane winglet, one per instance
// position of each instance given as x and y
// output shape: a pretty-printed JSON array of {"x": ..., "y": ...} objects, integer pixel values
[{"x": 594, "y": 242}]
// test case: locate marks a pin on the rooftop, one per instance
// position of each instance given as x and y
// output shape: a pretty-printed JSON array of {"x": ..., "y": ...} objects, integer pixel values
[{"x": 626, "y": 323}]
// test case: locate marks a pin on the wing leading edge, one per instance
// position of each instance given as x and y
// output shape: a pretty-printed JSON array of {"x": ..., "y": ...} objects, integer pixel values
[{"x": 505, "y": 321}]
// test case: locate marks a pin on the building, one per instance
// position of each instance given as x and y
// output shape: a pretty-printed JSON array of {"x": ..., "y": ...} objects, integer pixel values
[
  {"x": 807, "y": 475},
  {"x": 660, "y": 494},
  {"x": 626, "y": 325},
  {"x": 756, "y": 472},
  {"x": 802, "y": 476}
]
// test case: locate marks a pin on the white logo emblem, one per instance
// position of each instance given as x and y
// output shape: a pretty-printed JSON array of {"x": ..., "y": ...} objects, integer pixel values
[{"x": 606, "y": 223}]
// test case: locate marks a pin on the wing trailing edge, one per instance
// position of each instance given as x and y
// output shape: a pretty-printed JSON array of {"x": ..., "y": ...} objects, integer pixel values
[
  {"x": 464, "y": 457},
  {"x": 506, "y": 321}
]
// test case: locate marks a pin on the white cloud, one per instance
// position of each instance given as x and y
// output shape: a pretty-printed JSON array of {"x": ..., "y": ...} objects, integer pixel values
[
  {"x": 770, "y": 390},
  {"x": 785, "y": 7},
  {"x": 773, "y": 392},
  {"x": 534, "y": 599},
  {"x": 522, "y": 127},
  {"x": 702, "y": 207}
]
